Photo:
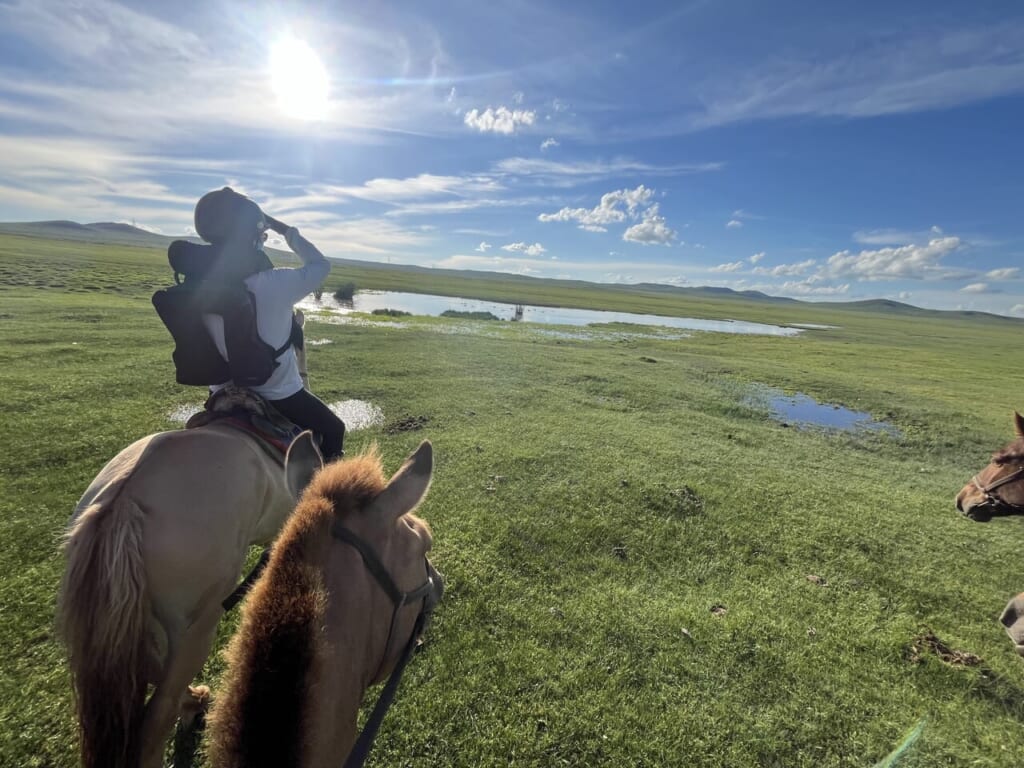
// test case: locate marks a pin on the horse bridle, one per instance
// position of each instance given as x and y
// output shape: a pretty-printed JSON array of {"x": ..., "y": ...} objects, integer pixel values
[
  {"x": 427, "y": 592},
  {"x": 991, "y": 499}
]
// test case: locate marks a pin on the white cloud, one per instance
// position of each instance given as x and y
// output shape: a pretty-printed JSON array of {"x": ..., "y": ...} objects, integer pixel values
[
  {"x": 652, "y": 229},
  {"x": 501, "y": 120},
  {"x": 784, "y": 270},
  {"x": 895, "y": 236},
  {"x": 734, "y": 224},
  {"x": 732, "y": 266},
  {"x": 483, "y": 247},
  {"x": 756, "y": 257},
  {"x": 975, "y": 288},
  {"x": 530, "y": 250},
  {"x": 608, "y": 211},
  {"x": 592, "y": 170},
  {"x": 1017, "y": 309},
  {"x": 517, "y": 97},
  {"x": 548, "y": 144},
  {"x": 810, "y": 287},
  {"x": 386, "y": 190},
  {"x": 916, "y": 262},
  {"x": 1006, "y": 273},
  {"x": 451, "y": 95}
]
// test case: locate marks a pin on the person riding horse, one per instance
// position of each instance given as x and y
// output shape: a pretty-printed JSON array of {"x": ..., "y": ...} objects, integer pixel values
[{"x": 237, "y": 226}]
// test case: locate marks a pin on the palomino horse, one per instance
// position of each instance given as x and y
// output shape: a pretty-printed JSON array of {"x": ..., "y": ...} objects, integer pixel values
[
  {"x": 347, "y": 587},
  {"x": 996, "y": 491},
  {"x": 155, "y": 544}
]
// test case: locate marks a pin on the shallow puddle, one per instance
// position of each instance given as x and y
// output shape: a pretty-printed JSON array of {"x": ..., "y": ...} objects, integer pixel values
[
  {"x": 357, "y": 414},
  {"x": 804, "y": 411},
  {"x": 318, "y": 342},
  {"x": 183, "y": 413}
]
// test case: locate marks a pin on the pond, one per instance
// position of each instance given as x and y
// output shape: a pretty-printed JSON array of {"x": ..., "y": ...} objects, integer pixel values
[
  {"x": 804, "y": 411},
  {"x": 428, "y": 304}
]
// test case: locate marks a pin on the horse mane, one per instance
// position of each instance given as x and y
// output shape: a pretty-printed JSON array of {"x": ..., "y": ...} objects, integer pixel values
[
  {"x": 274, "y": 659},
  {"x": 1014, "y": 452}
]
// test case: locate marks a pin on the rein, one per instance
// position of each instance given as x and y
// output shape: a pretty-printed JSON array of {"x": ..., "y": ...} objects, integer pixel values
[
  {"x": 996, "y": 501},
  {"x": 399, "y": 599}
]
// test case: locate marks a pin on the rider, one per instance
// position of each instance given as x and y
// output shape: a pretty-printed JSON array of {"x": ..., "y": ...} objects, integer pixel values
[{"x": 237, "y": 227}]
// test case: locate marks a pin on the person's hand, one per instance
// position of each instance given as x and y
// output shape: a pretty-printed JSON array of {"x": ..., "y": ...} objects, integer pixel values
[{"x": 278, "y": 226}]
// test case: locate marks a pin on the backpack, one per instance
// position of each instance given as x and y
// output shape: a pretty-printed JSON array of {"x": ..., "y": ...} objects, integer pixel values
[{"x": 198, "y": 291}]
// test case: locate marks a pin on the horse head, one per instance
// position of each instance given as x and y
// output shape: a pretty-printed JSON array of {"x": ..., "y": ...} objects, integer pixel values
[
  {"x": 343, "y": 601},
  {"x": 998, "y": 489}
]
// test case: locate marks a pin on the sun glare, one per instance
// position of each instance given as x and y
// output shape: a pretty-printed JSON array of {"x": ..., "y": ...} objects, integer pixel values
[{"x": 298, "y": 79}]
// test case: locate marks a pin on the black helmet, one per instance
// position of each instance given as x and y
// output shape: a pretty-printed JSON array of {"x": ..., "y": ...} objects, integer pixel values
[{"x": 224, "y": 215}]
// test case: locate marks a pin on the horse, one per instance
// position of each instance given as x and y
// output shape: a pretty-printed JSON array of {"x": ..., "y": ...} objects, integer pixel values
[
  {"x": 998, "y": 490},
  {"x": 328, "y": 618},
  {"x": 156, "y": 543}
]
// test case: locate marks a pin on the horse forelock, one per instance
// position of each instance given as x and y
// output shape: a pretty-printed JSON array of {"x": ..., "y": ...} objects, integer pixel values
[
  {"x": 349, "y": 485},
  {"x": 1014, "y": 452}
]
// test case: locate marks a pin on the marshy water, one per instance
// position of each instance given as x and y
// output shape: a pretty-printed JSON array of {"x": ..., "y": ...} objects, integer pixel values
[
  {"x": 804, "y": 411},
  {"x": 429, "y": 304},
  {"x": 357, "y": 414}
]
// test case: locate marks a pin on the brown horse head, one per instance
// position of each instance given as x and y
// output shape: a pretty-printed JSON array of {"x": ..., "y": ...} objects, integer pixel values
[{"x": 998, "y": 489}]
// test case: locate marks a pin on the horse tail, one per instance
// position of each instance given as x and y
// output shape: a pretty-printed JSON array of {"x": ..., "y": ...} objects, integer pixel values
[{"x": 101, "y": 615}]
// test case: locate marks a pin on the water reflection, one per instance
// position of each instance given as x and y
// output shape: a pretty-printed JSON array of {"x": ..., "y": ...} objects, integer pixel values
[
  {"x": 428, "y": 304},
  {"x": 804, "y": 411}
]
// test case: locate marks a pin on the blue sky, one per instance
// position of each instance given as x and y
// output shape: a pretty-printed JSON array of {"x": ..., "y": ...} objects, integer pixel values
[{"x": 822, "y": 151}]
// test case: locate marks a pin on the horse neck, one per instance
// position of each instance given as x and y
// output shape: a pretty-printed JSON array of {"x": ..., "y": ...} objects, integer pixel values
[{"x": 351, "y": 661}]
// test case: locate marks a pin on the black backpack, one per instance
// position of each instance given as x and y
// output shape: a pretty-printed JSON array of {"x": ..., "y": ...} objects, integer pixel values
[{"x": 197, "y": 291}]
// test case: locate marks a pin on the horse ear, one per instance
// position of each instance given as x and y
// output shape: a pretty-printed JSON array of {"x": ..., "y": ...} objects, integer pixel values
[
  {"x": 301, "y": 462},
  {"x": 1018, "y": 424},
  {"x": 409, "y": 485}
]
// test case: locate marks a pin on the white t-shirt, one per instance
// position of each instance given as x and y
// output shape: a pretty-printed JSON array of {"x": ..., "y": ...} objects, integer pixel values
[{"x": 276, "y": 292}]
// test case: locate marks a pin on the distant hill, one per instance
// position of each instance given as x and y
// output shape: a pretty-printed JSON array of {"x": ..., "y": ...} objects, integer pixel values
[
  {"x": 97, "y": 232},
  {"x": 126, "y": 234}
]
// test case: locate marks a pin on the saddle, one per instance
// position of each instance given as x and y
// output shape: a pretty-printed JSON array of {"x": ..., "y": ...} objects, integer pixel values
[{"x": 246, "y": 411}]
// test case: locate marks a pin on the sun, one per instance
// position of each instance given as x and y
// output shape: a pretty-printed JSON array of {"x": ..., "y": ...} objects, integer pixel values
[{"x": 298, "y": 79}]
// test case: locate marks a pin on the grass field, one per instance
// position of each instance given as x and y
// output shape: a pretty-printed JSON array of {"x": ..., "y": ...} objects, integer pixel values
[{"x": 593, "y": 501}]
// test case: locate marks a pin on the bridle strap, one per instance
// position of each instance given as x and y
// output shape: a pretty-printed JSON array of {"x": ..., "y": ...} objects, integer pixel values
[
  {"x": 361, "y": 749},
  {"x": 991, "y": 498}
]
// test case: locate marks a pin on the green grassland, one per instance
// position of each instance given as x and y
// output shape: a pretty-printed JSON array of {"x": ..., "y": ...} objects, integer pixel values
[{"x": 593, "y": 500}]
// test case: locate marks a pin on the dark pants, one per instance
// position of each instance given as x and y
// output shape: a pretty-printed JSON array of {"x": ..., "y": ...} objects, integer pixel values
[{"x": 309, "y": 412}]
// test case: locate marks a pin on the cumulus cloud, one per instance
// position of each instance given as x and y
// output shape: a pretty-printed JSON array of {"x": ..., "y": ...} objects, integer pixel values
[
  {"x": 975, "y": 288},
  {"x": 615, "y": 207},
  {"x": 548, "y": 143},
  {"x": 734, "y": 224},
  {"x": 530, "y": 250},
  {"x": 812, "y": 287},
  {"x": 652, "y": 229},
  {"x": 1006, "y": 273},
  {"x": 483, "y": 247},
  {"x": 783, "y": 270},
  {"x": 501, "y": 120},
  {"x": 756, "y": 257},
  {"x": 732, "y": 266},
  {"x": 915, "y": 262}
]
